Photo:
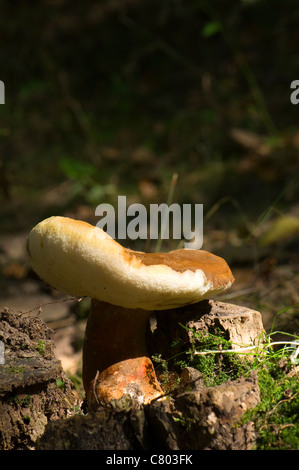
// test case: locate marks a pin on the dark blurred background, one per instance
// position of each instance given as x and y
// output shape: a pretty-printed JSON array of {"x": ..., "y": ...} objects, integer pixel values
[{"x": 159, "y": 100}]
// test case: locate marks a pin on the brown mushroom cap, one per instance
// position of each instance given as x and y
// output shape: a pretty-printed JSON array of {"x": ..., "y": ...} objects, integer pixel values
[{"x": 82, "y": 260}]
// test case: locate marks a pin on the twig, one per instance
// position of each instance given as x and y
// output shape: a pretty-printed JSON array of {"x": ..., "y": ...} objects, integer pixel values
[
  {"x": 247, "y": 348},
  {"x": 169, "y": 202},
  {"x": 39, "y": 307},
  {"x": 94, "y": 383}
]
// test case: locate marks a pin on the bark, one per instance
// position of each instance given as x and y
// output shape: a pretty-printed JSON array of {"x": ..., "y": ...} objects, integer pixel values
[{"x": 33, "y": 387}]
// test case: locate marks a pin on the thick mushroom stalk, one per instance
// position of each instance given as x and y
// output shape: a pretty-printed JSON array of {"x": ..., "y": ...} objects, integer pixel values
[
  {"x": 115, "y": 357},
  {"x": 82, "y": 260}
]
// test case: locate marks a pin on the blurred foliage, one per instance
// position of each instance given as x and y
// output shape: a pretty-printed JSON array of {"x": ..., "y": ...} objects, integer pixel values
[{"x": 109, "y": 98}]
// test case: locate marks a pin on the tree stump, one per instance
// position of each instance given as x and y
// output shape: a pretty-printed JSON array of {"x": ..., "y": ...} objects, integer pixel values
[
  {"x": 33, "y": 387},
  {"x": 188, "y": 418},
  {"x": 177, "y": 330}
]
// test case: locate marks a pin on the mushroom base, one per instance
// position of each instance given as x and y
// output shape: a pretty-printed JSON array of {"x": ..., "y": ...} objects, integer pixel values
[
  {"x": 115, "y": 357},
  {"x": 134, "y": 378}
]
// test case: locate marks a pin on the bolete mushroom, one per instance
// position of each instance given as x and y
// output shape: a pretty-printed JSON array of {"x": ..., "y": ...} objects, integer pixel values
[{"x": 124, "y": 286}]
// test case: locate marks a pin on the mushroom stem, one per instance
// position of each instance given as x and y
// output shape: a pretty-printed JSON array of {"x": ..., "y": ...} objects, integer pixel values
[{"x": 115, "y": 361}]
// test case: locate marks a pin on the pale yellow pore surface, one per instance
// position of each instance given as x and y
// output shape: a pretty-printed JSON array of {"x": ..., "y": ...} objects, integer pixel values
[{"x": 82, "y": 260}]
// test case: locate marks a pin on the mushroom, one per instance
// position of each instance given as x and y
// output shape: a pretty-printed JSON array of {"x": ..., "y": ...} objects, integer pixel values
[{"x": 125, "y": 286}]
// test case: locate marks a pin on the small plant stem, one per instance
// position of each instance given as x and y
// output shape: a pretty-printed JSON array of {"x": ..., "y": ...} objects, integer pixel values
[
  {"x": 169, "y": 202},
  {"x": 245, "y": 349},
  {"x": 279, "y": 313}
]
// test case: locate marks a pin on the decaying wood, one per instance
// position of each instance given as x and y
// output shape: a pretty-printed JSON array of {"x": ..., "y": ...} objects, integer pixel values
[
  {"x": 176, "y": 330},
  {"x": 33, "y": 387}
]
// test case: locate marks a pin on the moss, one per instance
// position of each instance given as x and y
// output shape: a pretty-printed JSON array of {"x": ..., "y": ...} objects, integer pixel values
[
  {"x": 20, "y": 400},
  {"x": 60, "y": 384},
  {"x": 276, "y": 417},
  {"x": 16, "y": 370},
  {"x": 41, "y": 347},
  {"x": 216, "y": 368}
]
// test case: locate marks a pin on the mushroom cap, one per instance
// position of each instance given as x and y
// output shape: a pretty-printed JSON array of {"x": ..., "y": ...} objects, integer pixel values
[{"x": 82, "y": 260}]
